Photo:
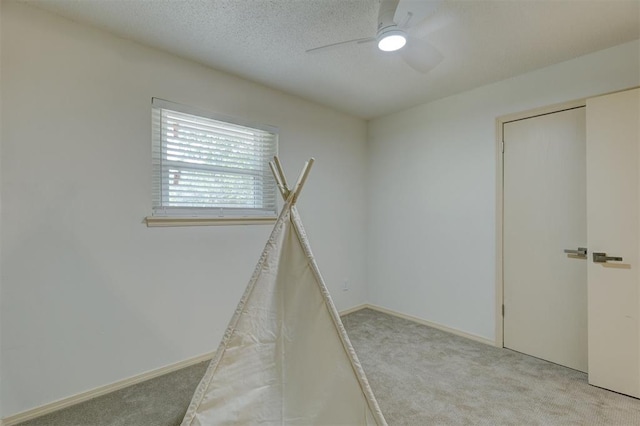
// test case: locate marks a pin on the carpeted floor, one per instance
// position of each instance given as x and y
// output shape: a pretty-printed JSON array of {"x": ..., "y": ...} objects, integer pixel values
[
  {"x": 158, "y": 402},
  {"x": 421, "y": 376}
]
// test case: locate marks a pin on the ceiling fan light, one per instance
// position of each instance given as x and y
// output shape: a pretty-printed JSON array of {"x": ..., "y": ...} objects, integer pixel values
[{"x": 391, "y": 40}]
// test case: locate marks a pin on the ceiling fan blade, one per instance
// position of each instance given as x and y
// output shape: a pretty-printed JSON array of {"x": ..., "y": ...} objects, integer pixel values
[
  {"x": 420, "y": 55},
  {"x": 411, "y": 12},
  {"x": 367, "y": 40},
  {"x": 333, "y": 45}
]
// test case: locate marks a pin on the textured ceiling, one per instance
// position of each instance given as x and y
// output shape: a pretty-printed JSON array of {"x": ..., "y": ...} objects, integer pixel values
[{"x": 265, "y": 41}]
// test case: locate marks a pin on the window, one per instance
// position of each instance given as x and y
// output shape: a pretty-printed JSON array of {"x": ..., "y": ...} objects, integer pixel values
[{"x": 210, "y": 166}]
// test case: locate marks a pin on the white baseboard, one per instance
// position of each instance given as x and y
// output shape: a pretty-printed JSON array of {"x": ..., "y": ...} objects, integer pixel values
[
  {"x": 349, "y": 311},
  {"x": 103, "y": 390},
  {"x": 99, "y": 391},
  {"x": 430, "y": 324}
]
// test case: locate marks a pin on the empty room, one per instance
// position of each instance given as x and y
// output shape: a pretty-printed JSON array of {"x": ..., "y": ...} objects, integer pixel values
[{"x": 319, "y": 212}]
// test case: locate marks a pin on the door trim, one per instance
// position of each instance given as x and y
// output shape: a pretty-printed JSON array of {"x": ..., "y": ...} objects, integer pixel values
[{"x": 500, "y": 122}]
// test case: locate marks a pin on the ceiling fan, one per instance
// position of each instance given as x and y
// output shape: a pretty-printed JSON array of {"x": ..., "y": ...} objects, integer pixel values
[{"x": 395, "y": 20}]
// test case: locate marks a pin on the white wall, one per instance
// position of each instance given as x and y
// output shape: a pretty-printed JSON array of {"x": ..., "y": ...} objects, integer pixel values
[
  {"x": 90, "y": 295},
  {"x": 432, "y": 179},
  {"x": 1, "y": 131}
]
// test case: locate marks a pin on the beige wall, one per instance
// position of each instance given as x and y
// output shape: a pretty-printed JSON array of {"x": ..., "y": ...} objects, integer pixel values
[{"x": 90, "y": 295}]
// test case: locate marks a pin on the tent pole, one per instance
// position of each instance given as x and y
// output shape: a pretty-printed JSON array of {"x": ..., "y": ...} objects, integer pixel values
[
  {"x": 276, "y": 159},
  {"x": 283, "y": 189},
  {"x": 302, "y": 179}
]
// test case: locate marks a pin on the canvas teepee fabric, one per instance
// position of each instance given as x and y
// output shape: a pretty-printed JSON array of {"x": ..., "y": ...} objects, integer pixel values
[{"x": 285, "y": 358}]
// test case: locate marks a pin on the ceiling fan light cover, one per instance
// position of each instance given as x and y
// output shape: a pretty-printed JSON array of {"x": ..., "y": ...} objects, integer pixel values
[{"x": 392, "y": 40}]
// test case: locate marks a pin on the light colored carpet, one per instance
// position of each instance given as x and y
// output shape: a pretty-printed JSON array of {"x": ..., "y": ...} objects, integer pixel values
[
  {"x": 421, "y": 376},
  {"x": 161, "y": 401}
]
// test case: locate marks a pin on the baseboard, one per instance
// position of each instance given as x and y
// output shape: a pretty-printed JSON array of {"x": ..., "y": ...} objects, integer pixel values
[
  {"x": 430, "y": 324},
  {"x": 349, "y": 311},
  {"x": 99, "y": 391},
  {"x": 103, "y": 390}
]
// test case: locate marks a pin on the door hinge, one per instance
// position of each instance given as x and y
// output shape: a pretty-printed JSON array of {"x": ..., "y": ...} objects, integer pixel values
[
  {"x": 502, "y": 310},
  {"x": 503, "y": 147}
]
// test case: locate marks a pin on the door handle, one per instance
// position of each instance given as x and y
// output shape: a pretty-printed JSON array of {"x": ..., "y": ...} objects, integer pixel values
[
  {"x": 603, "y": 258},
  {"x": 582, "y": 252}
]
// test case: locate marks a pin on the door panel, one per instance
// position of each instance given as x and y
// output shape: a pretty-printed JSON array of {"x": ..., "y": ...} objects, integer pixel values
[
  {"x": 545, "y": 293},
  {"x": 613, "y": 138}
]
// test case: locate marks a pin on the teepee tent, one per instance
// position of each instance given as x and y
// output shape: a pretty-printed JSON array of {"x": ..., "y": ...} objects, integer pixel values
[{"x": 285, "y": 358}]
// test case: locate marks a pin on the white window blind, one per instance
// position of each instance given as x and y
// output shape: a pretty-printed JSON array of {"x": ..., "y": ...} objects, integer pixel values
[{"x": 209, "y": 166}]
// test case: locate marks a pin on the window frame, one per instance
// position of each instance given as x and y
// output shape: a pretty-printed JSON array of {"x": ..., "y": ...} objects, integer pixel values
[{"x": 163, "y": 215}]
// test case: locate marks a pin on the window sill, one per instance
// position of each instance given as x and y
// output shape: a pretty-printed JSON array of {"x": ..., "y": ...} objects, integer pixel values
[{"x": 159, "y": 221}]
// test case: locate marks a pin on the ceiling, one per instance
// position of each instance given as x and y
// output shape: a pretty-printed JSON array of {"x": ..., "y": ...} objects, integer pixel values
[{"x": 482, "y": 41}]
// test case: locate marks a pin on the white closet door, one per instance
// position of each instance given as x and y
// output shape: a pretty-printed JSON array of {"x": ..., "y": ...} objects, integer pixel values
[
  {"x": 613, "y": 188},
  {"x": 545, "y": 294}
]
